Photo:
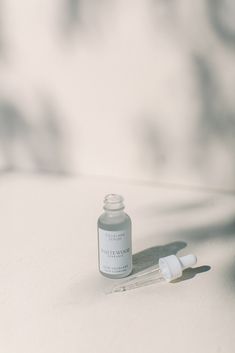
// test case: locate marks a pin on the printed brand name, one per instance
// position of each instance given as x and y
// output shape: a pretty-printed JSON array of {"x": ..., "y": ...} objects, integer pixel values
[{"x": 115, "y": 252}]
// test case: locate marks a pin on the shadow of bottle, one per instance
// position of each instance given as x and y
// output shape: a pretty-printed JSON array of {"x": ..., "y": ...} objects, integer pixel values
[{"x": 150, "y": 257}]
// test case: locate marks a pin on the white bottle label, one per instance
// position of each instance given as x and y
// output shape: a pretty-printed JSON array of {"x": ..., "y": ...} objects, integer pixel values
[{"x": 115, "y": 251}]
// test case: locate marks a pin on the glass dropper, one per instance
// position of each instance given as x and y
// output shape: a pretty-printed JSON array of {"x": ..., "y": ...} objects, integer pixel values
[{"x": 168, "y": 269}]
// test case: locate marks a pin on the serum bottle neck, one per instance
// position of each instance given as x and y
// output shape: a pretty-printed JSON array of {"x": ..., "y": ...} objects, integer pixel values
[
  {"x": 113, "y": 207},
  {"x": 114, "y": 214}
]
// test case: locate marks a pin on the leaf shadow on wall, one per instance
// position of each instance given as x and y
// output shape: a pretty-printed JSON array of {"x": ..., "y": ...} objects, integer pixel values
[
  {"x": 216, "y": 122},
  {"x": 71, "y": 16},
  {"x": 80, "y": 15},
  {"x": 32, "y": 145},
  {"x": 221, "y": 15}
]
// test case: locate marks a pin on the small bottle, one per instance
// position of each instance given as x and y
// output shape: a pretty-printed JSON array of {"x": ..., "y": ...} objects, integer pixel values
[{"x": 114, "y": 239}]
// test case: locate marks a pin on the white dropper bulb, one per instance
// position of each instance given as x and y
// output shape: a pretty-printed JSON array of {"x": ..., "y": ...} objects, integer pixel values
[{"x": 171, "y": 267}]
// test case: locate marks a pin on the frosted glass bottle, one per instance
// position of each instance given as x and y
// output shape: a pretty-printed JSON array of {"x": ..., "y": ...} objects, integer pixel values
[{"x": 114, "y": 239}]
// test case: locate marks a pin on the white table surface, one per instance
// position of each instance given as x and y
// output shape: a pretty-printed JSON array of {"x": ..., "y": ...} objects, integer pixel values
[{"x": 52, "y": 297}]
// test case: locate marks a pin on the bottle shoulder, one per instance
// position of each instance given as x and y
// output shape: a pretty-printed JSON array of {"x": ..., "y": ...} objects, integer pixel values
[
  {"x": 127, "y": 216},
  {"x": 122, "y": 217}
]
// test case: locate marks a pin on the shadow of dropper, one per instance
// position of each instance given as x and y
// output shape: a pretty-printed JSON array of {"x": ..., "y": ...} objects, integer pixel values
[{"x": 190, "y": 273}]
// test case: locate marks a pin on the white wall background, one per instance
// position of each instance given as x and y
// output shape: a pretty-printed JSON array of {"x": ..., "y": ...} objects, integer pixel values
[{"x": 132, "y": 89}]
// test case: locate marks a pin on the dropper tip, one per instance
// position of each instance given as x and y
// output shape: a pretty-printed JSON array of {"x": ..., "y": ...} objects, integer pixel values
[{"x": 115, "y": 290}]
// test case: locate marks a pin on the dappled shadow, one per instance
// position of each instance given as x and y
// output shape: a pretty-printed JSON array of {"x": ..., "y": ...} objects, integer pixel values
[
  {"x": 216, "y": 122},
  {"x": 14, "y": 130},
  {"x": 71, "y": 17},
  {"x": 26, "y": 145},
  {"x": 80, "y": 15},
  {"x": 202, "y": 233},
  {"x": 221, "y": 15}
]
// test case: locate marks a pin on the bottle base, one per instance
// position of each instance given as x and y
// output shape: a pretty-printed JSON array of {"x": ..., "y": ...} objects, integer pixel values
[{"x": 118, "y": 276}]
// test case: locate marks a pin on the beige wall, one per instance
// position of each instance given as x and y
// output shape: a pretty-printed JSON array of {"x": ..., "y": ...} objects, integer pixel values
[{"x": 131, "y": 89}]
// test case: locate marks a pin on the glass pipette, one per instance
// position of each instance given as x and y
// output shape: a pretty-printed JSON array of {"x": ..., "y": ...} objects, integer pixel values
[{"x": 168, "y": 269}]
